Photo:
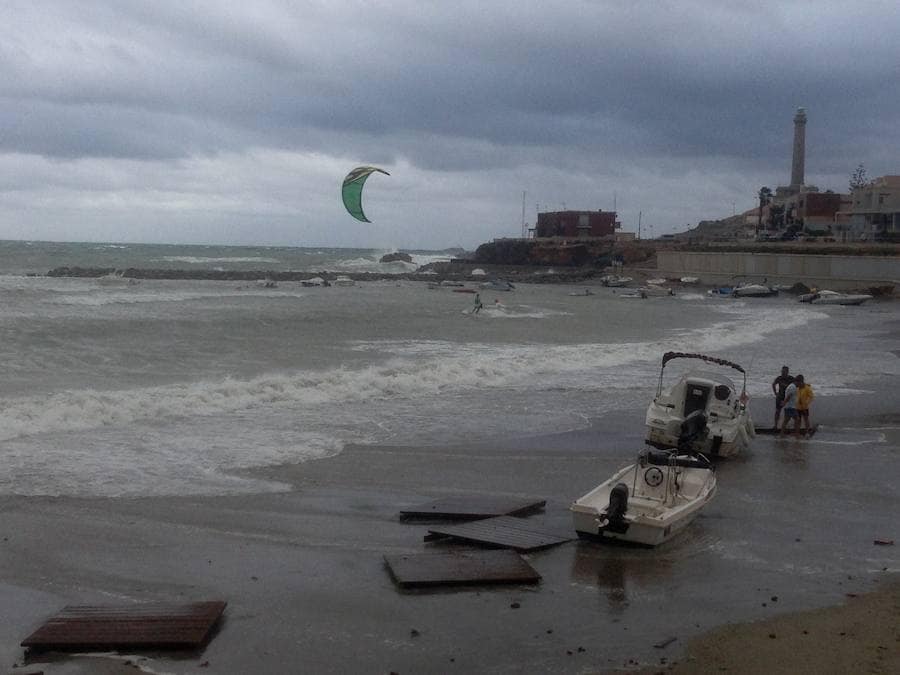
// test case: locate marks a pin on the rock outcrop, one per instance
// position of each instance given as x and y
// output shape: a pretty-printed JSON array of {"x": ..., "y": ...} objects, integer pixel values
[{"x": 396, "y": 257}]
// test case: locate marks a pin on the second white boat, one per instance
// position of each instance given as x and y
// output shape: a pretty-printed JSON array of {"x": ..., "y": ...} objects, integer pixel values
[{"x": 648, "y": 502}]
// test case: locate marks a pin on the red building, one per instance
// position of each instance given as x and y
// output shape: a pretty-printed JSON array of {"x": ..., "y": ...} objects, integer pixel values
[{"x": 576, "y": 224}]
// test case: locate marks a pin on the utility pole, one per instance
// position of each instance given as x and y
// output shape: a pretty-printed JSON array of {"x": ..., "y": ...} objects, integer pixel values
[
  {"x": 614, "y": 201},
  {"x": 639, "y": 223}
]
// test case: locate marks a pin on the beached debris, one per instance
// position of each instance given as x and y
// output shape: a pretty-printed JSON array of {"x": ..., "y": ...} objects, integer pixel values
[
  {"x": 504, "y": 531},
  {"x": 472, "y": 507},
  {"x": 142, "y": 626},
  {"x": 460, "y": 567}
]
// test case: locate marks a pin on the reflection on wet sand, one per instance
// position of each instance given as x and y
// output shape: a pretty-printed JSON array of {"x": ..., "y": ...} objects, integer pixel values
[
  {"x": 625, "y": 571},
  {"x": 792, "y": 451}
]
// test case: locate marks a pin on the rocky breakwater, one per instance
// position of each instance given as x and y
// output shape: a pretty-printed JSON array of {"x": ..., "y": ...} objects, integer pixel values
[
  {"x": 456, "y": 270},
  {"x": 215, "y": 275}
]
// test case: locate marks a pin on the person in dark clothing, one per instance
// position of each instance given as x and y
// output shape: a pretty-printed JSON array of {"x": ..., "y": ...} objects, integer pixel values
[{"x": 779, "y": 384}]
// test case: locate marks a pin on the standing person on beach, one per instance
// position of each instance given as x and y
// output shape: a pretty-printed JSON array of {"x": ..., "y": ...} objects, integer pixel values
[
  {"x": 789, "y": 405},
  {"x": 779, "y": 385},
  {"x": 805, "y": 396}
]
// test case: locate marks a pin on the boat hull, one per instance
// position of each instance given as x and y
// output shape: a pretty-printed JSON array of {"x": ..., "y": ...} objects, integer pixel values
[{"x": 654, "y": 515}]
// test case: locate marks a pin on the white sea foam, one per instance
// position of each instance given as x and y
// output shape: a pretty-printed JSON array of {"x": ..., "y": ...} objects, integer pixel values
[
  {"x": 201, "y": 260},
  {"x": 100, "y": 298},
  {"x": 189, "y": 438},
  {"x": 416, "y": 369}
]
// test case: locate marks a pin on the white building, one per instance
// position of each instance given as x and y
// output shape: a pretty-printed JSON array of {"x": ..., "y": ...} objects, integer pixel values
[{"x": 875, "y": 209}]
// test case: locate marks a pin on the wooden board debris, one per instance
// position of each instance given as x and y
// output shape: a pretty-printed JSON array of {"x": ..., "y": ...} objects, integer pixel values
[
  {"x": 460, "y": 567},
  {"x": 142, "y": 626},
  {"x": 770, "y": 431},
  {"x": 504, "y": 531},
  {"x": 472, "y": 507}
]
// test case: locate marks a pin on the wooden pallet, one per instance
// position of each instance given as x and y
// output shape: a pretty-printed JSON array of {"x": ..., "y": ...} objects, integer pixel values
[
  {"x": 141, "y": 626},
  {"x": 770, "y": 431},
  {"x": 472, "y": 507},
  {"x": 453, "y": 568},
  {"x": 503, "y": 531}
]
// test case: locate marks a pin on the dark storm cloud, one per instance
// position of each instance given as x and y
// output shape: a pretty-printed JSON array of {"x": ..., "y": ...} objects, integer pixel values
[
  {"x": 678, "y": 80},
  {"x": 582, "y": 87}
]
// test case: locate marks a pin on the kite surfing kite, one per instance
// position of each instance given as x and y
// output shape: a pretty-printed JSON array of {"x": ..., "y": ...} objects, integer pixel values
[{"x": 352, "y": 190}]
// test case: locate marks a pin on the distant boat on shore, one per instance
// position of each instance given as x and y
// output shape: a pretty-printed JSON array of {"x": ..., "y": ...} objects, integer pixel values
[{"x": 834, "y": 298}]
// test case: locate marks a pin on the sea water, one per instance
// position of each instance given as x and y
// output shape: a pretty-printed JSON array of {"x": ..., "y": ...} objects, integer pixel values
[{"x": 179, "y": 387}]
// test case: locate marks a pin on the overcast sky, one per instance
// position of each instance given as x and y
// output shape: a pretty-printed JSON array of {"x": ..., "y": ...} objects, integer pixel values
[{"x": 235, "y": 122}]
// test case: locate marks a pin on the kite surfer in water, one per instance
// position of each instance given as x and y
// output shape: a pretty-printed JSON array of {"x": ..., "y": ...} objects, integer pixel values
[{"x": 477, "y": 306}]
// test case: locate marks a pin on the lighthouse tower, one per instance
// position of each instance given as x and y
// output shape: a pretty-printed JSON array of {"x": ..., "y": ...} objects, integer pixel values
[{"x": 798, "y": 160}]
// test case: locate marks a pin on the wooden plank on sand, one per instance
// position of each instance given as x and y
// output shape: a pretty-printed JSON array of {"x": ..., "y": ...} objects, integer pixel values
[
  {"x": 141, "y": 626},
  {"x": 460, "y": 567},
  {"x": 504, "y": 531},
  {"x": 770, "y": 431},
  {"x": 472, "y": 507}
]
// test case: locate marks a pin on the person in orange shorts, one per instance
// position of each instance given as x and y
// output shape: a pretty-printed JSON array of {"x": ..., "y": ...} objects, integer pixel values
[{"x": 805, "y": 397}]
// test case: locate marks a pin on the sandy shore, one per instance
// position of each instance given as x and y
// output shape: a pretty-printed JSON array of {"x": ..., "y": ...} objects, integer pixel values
[
  {"x": 860, "y": 636},
  {"x": 307, "y": 590}
]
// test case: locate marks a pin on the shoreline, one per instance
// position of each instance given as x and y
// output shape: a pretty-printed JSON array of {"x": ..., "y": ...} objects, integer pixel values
[{"x": 303, "y": 574}]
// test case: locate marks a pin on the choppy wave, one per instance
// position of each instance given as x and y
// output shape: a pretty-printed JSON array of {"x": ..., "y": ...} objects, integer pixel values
[
  {"x": 137, "y": 297},
  {"x": 414, "y": 369},
  {"x": 201, "y": 260},
  {"x": 170, "y": 439}
]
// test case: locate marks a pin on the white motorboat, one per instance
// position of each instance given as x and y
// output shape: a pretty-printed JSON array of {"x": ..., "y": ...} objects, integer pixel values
[
  {"x": 497, "y": 285},
  {"x": 835, "y": 298},
  {"x": 614, "y": 280},
  {"x": 657, "y": 281},
  {"x": 117, "y": 278},
  {"x": 727, "y": 428},
  {"x": 690, "y": 280},
  {"x": 648, "y": 502},
  {"x": 753, "y": 291},
  {"x": 654, "y": 291}
]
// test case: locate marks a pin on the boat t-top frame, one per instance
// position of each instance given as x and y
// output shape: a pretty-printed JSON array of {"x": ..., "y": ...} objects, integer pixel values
[{"x": 668, "y": 356}]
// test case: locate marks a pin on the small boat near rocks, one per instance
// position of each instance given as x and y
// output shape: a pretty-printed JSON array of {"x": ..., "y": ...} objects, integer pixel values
[
  {"x": 654, "y": 291},
  {"x": 753, "y": 291},
  {"x": 834, "y": 298},
  {"x": 497, "y": 285},
  {"x": 615, "y": 281},
  {"x": 648, "y": 502}
]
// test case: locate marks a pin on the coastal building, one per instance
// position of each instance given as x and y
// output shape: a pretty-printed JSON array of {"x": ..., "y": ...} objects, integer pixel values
[
  {"x": 576, "y": 224},
  {"x": 875, "y": 210}
]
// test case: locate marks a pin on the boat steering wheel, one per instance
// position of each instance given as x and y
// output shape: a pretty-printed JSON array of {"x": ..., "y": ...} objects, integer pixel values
[{"x": 653, "y": 476}]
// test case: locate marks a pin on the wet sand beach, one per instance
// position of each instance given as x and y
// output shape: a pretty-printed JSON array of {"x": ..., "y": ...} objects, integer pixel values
[
  {"x": 860, "y": 636},
  {"x": 791, "y": 530}
]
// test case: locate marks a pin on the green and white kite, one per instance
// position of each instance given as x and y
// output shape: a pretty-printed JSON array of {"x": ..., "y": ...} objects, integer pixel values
[{"x": 352, "y": 190}]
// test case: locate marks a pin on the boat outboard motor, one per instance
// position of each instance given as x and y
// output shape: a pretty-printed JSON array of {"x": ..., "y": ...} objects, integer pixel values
[
  {"x": 618, "y": 505},
  {"x": 691, "y": 428}
]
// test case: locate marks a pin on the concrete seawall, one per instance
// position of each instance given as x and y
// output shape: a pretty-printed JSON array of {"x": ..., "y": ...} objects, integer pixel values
[{"x": 823, "y": 271}]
